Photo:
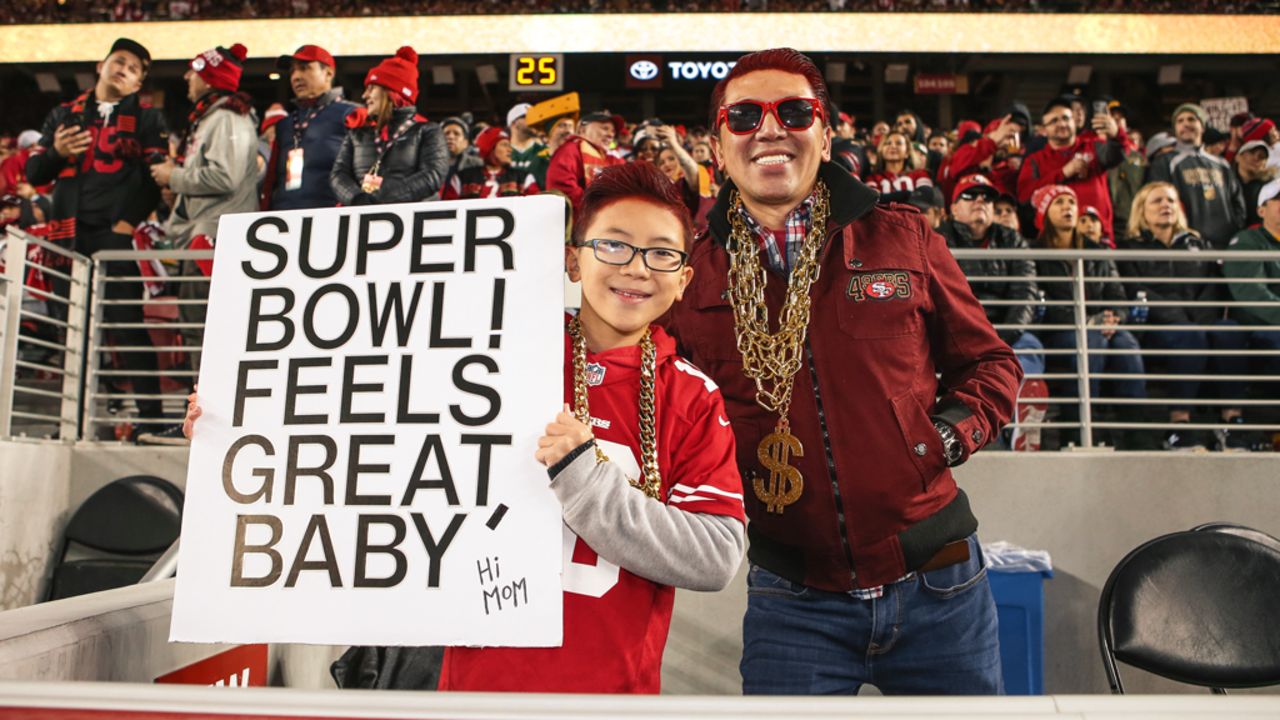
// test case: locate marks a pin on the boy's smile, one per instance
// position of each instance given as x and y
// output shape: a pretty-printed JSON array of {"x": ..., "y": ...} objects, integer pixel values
[{"x": 619, "y": 301}]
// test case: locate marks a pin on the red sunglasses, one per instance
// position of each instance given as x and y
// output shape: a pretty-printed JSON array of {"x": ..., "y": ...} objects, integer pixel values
[{"x": 793, "y": 113}]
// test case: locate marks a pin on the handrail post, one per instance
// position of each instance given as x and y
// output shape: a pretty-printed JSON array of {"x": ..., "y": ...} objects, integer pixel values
[
  {"x": 93, "y": 362},
  {"x": 73, "y": 363},
  {"x": 15, "y": 261},
  {"x": 1082, "y": 356}
]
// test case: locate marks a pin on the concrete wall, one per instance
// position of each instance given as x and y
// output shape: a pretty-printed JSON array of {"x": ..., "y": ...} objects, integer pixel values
[
  {"x": 34, "y": 505},
  {"x": 1087, "y": 510}
]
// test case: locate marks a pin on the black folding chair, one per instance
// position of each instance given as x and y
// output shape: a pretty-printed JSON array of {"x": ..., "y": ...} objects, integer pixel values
[
  {"x": 1198, "y": 607},
  {"x": 1244, "y": 532},
  {"x": 127, "y": 524}
]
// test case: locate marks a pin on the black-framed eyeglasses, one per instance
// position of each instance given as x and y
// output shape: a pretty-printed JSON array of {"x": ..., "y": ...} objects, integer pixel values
[{"x": 616, "y": 252}]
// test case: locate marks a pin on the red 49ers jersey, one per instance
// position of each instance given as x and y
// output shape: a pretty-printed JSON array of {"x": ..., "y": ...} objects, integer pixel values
[
  {"x": 888, "y": 182},
  {"x": 616, "y": 622}
]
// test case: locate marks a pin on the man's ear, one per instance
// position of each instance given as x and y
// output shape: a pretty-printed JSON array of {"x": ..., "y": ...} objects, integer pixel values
[
  {"x": 717, "y": 158},
  {"x": 826, "y": 145}
]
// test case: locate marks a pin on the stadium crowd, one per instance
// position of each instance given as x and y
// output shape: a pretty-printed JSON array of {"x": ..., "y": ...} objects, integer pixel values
[
  {"x": 103, "y": 173},
  {"x": 40, "y": 11}
]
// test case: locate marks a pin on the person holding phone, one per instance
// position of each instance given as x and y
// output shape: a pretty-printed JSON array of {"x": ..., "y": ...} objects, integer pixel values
[
  {"x": 1074, "y": 158},
  {"x": 97, "y": 148}
]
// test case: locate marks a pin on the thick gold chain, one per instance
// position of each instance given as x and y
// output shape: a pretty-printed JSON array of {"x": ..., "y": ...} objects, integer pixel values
[
  {"x": 772, "y": 359},
  {"x": 652, "y": 483}
]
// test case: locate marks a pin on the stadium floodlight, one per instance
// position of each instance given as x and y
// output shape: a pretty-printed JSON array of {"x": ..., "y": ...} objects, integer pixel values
[
  {"x": 487, "y": 74},
  {"x": 896, "y": 73}
]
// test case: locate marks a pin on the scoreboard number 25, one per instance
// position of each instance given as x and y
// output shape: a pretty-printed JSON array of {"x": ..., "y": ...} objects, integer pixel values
[{"x": 537, "y": 72}]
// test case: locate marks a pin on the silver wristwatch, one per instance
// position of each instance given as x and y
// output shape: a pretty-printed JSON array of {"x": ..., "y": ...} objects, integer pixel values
[{"x": 952, "y": 449}]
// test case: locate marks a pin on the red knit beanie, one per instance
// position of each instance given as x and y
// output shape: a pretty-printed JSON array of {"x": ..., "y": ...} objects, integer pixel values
[
  {"x": 1256, "y": 129},
  {"x": 221, "y": 67},
  {"x": 398, "y": 74},
  {"x": 1041, "y": 200},
  {"x": 488, "y": 140}
]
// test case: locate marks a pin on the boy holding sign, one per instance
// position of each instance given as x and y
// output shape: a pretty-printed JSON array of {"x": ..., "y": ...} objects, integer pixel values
[{"x": 641, "y": 459}]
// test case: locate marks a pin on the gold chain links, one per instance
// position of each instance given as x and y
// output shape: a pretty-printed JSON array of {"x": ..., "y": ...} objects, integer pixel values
[
  {"x": 772, "y": 359},
  {"x": 648, "y": 431}
]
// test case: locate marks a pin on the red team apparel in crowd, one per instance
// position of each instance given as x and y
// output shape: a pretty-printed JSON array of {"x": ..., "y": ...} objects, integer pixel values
[
  {"x": 888, "y": 181},
  {"x": 615, "y": 620}
]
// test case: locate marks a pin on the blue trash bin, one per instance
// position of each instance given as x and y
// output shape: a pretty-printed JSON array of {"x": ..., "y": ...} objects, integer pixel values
[{"x": 1019, "y": 600}]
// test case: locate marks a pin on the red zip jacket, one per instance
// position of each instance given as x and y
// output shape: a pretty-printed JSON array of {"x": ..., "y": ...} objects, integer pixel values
[
  {"x": 1044, "y": 167},
  {"x": 890, "y": 308}
]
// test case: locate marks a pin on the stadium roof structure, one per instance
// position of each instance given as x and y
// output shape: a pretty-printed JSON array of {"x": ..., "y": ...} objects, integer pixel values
[{"x": 1110, "y": 33}]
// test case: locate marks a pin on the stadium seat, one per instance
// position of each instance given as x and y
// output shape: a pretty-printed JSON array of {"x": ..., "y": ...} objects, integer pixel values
[
  {"x": 127, "y": 524},
  {"x": 1197, "y": 607}
]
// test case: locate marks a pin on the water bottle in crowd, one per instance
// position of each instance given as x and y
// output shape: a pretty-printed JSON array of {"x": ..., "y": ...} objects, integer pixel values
[
  {"x": 1038, "y": 316},
  {"x": 1140, "y": 311}
]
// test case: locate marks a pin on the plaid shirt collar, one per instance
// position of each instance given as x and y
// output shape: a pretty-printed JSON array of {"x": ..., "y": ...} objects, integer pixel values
[{"x": 796, "y": 226}]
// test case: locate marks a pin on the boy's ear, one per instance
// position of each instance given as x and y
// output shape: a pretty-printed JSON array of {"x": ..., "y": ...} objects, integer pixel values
[
  {"x": 571, "y": 265},
  {"x": 686, "y": 275}
]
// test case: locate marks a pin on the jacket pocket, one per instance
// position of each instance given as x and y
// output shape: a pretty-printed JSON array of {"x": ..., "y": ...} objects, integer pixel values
[
  {"x": 717, "y": 343},
  {"x": 880, "y": 303},
  {"x": 920, "y": 439}
]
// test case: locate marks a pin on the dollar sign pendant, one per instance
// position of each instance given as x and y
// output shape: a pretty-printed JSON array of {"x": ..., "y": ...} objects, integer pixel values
[{"x": 785, "y": 482}]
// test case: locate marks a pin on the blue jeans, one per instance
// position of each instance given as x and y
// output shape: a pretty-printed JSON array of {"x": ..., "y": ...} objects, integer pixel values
[
  {"x": 1127, "y": 364},
  {"x": 934, "y": 633},
  {"x": 1031, "y": 364}
]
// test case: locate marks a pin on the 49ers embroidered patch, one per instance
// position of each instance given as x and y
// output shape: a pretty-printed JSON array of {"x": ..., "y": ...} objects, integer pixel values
[{"x": 880, "y": 285}]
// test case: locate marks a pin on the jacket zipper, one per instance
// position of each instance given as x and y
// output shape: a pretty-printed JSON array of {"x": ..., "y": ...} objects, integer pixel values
[{"x": 831, "y": 461}]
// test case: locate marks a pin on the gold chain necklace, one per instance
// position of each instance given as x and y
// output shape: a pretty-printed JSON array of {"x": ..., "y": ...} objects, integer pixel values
[
  {"x": 773, "y": 359},
  {"x": 652, "y": 483}
]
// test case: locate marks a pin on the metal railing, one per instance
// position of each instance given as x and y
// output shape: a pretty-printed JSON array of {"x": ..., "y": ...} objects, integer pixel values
[
  {"x": 1087, "y": 420},
  {"x": 109, "y": 386},
  {"x": 1078, "y": 411},
  {"x": 43, "y": 299}
]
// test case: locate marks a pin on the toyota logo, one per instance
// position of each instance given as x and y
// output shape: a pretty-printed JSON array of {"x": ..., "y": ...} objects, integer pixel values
[{"x": 644, "y": 70}]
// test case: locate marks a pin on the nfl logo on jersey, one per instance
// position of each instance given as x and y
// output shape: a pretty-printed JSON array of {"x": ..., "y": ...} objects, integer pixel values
[{"x": 595, "y": 374}]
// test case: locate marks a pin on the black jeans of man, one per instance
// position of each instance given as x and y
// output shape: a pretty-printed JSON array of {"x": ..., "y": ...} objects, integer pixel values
[{"x": 90, "y": 240}]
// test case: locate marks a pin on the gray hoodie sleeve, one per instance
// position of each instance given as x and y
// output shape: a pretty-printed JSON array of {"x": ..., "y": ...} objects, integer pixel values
[
  {"x": 224, "y": 156},
  {"x": 656, "y": 541}
]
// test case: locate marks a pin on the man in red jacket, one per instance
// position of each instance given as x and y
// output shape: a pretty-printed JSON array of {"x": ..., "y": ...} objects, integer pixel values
[
  {"x": 576, "y": 163},
  {"x": 865, "y": 566},
  {"x": 1076, "y": 158}
]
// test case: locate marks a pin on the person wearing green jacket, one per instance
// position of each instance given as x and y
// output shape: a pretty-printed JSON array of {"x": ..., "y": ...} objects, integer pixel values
[{"x": 1263, "y": 237}]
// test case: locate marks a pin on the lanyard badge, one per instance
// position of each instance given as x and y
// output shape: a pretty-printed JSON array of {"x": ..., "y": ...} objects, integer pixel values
[{"x": 293, "y": 170}]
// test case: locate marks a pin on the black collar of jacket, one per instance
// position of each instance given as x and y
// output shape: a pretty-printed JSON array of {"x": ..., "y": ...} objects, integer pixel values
[
  {"x": 998, "y": 235},
  {"x": 850, "y": 200}
]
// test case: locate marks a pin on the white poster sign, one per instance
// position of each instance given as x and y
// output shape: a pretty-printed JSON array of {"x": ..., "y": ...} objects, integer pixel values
[
  {"x": 373, "y": 386},
  {"x": 1221, "y": 110}
]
